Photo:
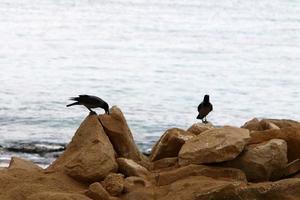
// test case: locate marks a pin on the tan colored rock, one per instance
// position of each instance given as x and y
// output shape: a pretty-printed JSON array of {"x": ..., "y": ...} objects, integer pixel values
[
  {"x": 133, "y": 182},
  {"x": 259, "y": 125},
  {"x": 170, "y": 143},
  {"x": 57, "y": 196},
  {"x": 290, "y": 134},
  {"x": 164, "y": 163},
  {"x": 114, "y": 183},
  {"x": 260, "y": 161},
  {"x": 116, "y": 128},
  {"x": 130, "y": 168},
  {"x": 287, "y": 189},
  {"x": 212, "y": 146},
  {"x": 285, "y": 123},
  {"x": 221, "y": 173},
  {"x": 199, "y": 127},
  {"x": 201, "y": 188},
  {"x": 90, "y": 155},
  {"x": 97, "y": 192},
  {"x": 19, "y": 163}
]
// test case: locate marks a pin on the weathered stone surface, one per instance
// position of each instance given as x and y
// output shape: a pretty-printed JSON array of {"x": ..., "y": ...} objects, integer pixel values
[
  {"x": 212, "y": 146},
  {"x": 164, "y": 163},
  {"x": 199, "y": 128},
  {"x": 97, "y": 192},
  {"x": 167, "y": 177},
  {"x": 290, "y": 134},
  {"x": 260, "y": 161},
  {"x": 201, "y": 188},
  {"x": 287, "y": 189},
  {"x": 114, "y": 183},
  {"x": 19, "y": 163},
  {"x": 90, "y": 155},
  {"x": 133, "y": 182},
  {"x": 117, "y": 130},
  {"x": 170, "y": 143},
  {"x": 130, "y": 168},
  {"x": 284, "y": 123},
  {"x": 57, "y": 196},
  {"x": 259, "y": 125}
]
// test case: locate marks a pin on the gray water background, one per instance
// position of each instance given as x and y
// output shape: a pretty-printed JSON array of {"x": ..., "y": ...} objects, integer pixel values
[{"x": 154, "y": 59}]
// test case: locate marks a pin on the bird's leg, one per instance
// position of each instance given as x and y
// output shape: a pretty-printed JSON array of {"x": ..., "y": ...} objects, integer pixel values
[
  {"x": 91, "y": 111},
  {"x": 205, "y": 121}
]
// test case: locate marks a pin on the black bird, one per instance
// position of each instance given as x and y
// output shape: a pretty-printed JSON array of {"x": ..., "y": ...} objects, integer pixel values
[
  {"x": 90, "y": 102},
  {"x": 204, "y": 108}
]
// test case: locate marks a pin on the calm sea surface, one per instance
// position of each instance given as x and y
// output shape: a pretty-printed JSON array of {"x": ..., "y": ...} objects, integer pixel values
[{"x": 154, "y": 59}]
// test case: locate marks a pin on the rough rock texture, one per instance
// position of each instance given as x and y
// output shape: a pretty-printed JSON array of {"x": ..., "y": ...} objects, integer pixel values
[
  {"x": 19, "y": 163},
  {"x": 199, "y": 127},
  {"x": 90, "y": 155},
  {"x": 117, "y": 130},
  {"x": 259, "y": 125},
  {"x": 133, "y": 182},
  {"x": 170, "y": 143},
  {"x": 114, "y": 183},
  {"x": 130, "y": 168},
  {"x": 167, "y": 177},
  {"x": 164, "y": 163},
  {"x": 97, "y": 192},
  {"x": 216, "y": 145},
  {"x": 57, "y": 196},
  {"x": 290, "y": 134},
  {"x": 260, "y": 161}
]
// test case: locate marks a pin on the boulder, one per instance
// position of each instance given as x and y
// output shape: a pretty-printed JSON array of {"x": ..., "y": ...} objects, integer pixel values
[
  {"x": 170, "y": 143},
  {"x": 133, "y": 182},
  {"x": 259, "y": 125},
  {"x": 213, "y": 146},
  {"x": 114, "y": 183},
  {"x": 260, "y": 161},
  {"x": 19, "y": 163},
  {"x": 199, "y": 127},
  {"x": 130, "y": 168},
  {"x": 284, "y": 123},
  {"x": 90, "y": 155},
  {"x": 97, "y": 192},
  {"x": 168, "y": 177},
  {"x": 117, "y": 130},
  {"x": 290, "y": 134}
]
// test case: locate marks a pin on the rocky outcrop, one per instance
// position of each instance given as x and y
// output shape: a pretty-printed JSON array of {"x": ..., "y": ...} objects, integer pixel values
[
  {"x": 212, "y": 146},
  {"x": 90, "y": 155},
  {"x": 199, "y": 128},
  {"x": 260, "y": 161},
  {"x": 199, "y": 164},
  {"x": 117, "y": 130},
  {"x": 170, "y": 143}
]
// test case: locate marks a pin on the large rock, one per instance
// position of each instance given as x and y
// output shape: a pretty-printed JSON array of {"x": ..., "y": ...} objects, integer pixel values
[
  {"x": 130, "y": 168},
  {"x": 259, "y": 125},
  {"x": 170, "y": 143},
  {"x": 167, "y": 177},
  {"x": 260, "y": 161},
  {"x": 164, "y": 163},
  {"x": 212, "y": 146},
  {"x": 290, "y": 134},
  {"x": 90, "y": 155},
  {"x": 199, "y": 128},
  {"x": 116, "y": 128}
]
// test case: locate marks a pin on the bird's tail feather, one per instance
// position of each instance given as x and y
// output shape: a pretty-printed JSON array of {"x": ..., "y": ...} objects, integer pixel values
[{"x": 72, "y": 104}]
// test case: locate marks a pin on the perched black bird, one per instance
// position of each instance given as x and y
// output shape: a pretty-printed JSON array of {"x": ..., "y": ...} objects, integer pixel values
[
  {"x": 204, "y": 108},
  {"x": 90, "y": 102}
]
